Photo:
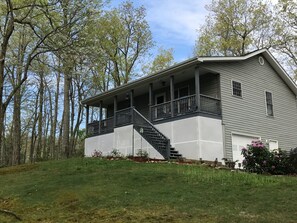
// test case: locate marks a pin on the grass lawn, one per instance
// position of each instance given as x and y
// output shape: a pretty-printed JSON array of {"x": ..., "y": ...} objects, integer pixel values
[{"x": 94, "y": 190}]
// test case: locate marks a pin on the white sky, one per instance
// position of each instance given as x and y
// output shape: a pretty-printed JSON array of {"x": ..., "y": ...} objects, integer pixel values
[{"x": 174, "y": 23}]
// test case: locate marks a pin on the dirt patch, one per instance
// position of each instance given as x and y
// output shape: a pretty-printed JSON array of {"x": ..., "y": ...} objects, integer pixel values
[{"x": 17, "y": 169}]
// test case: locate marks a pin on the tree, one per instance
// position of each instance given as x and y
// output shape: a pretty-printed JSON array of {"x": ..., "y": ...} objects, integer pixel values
[
  {"x": 286, "y": 32},
  {"x": 124, "y": 38},
  {"x": 31, "y": 15},
  {"x": 235, "y": 27},
  {"x": 162, "y": 60}
]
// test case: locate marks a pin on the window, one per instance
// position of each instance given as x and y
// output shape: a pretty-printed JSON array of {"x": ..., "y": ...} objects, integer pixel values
[
  {"x": 269, "y": 104},
  {"x": 236, "y": 89}
]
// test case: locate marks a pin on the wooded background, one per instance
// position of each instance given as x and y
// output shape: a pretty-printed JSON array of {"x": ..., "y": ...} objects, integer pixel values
[{"x": 54, "y": 53}]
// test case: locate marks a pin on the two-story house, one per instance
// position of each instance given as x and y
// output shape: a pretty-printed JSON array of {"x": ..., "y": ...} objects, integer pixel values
[{"x": 203, "y": 108}]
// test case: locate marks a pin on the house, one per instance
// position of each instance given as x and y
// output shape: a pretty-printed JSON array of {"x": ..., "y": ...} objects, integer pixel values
[{"x": 203, "y": 108}]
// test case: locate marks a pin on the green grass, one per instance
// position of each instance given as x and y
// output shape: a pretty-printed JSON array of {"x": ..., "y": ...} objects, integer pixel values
[{"x": 94, "y": 190}]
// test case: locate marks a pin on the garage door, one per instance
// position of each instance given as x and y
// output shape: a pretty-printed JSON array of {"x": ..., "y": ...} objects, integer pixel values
[{"x": 238, "y": 142}]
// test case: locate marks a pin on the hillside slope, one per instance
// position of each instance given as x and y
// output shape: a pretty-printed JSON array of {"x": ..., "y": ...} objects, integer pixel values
[{"x": 94, "y": 190}]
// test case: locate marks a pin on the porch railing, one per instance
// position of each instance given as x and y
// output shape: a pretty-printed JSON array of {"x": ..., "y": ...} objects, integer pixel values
[
  {"x": 161, "y": 111},
  {"x": 184, "y": 105},
  {"x": 106, "y": 127},
  {"x": 93, "y": 128},
  {"x": 123, "y": 117},
  {"x": 210, "y": 104},
  {"x": 181, "y": 106}
]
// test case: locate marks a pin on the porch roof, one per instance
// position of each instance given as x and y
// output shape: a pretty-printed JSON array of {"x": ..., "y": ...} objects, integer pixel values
[{"x": 94, "y": 101}]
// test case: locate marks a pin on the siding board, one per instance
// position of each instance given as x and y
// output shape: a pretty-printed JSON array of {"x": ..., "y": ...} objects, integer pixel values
[{"x": 248, "y": 114}]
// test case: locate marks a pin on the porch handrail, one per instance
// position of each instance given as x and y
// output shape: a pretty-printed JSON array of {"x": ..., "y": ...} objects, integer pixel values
[
  {"x": 161, "y": 104},
  {"x": 184, "y": 97},
  {"x": 210, "y": 97}
]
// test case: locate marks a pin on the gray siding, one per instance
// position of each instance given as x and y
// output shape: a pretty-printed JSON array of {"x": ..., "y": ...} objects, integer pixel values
[
  {"x": 248, "y": 114},
  {"x": 210, "y": 85}
]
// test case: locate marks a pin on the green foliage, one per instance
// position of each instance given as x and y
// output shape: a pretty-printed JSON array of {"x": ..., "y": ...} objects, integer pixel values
[
  {"x": 142, "y": 153},
  {"x": 163, "y": 60},
  {"x": 122, "y": 40},
  {"x": 293, "y": 159},
  {"x": 115, "y": 153},
  {"x": 234, "y": 27},
  {"x": 285, "y": 33}
]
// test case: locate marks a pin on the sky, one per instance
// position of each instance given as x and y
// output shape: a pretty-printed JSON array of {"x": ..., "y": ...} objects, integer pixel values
[{"x": 174, "y": 23}]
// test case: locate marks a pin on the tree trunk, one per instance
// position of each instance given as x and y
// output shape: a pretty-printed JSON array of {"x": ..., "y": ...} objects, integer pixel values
[
  {"x": 53, "y": 150},
  {"x": 5, "y": 40},
  {"x": 16, "y": 153},
  {"x": 40, "y": 118},
  {"x": 66, "y": 115},
  {"x": 33, "y": 136}
]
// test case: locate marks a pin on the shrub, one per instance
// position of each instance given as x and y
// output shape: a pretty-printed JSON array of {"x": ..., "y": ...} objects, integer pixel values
[
  {"x": 142, "y": 153},
  {"x": 258, "y": 159},
  {"x": 97, "y": 153},
  {"x": 115, "y": 153},
  {"x": 293, "y": 159}
]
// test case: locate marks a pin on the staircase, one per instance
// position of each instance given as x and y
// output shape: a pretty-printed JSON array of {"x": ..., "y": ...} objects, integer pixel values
[{"x": 152, "y": 135}]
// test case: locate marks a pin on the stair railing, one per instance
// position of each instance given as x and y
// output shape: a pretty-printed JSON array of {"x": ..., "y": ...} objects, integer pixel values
[{"x": 140, "y": 121}]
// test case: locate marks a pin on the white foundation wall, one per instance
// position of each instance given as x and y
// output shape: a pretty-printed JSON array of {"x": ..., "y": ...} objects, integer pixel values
[
  {"x": 103, "y": 143},
  {"x": 141, "y": 143},
  {"x": 123, "y": 140},
  {"x": 194, "y": 138},
  {"x": 120, "y": 139}
]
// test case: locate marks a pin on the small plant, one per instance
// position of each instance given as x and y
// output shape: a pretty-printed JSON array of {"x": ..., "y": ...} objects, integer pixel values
[
  {"x": 115, "y": 153},
  {"x": 229, "y": 163},
  {"x": 97, "y": 154},
  {"x": 129, "y": 156},
  {"x": 142, "y": 153}
]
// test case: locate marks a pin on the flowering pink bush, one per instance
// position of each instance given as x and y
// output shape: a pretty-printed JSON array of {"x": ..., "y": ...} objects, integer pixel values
[
  {"x": 258, "y": 159},
  {"x": 255, "y": 156}
]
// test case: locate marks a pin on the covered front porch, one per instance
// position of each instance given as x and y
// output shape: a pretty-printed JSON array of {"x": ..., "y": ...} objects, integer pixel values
[{"x": 183, "y": 93}]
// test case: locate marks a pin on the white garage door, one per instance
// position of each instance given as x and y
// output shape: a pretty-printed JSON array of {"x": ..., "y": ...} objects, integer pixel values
[{"x": 238, "y": 142}]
